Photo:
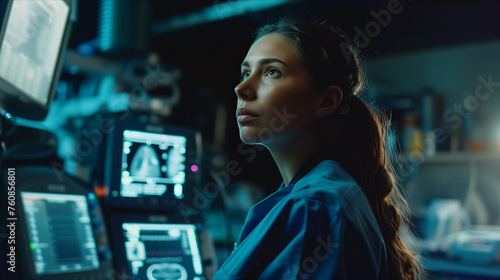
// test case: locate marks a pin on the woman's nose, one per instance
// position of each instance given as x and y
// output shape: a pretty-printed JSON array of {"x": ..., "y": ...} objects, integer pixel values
[{"x": 244, "y": 91}]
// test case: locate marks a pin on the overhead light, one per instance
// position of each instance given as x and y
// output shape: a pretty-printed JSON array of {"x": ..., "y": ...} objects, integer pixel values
[{"x": 217, "y": 12}]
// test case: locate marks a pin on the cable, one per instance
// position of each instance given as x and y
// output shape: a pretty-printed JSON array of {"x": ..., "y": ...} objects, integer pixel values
[{"x": 472, "y": 186}]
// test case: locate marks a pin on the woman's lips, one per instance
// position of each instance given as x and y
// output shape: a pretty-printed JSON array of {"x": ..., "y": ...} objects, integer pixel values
[
  {"x": 245, "y": 115},
  {"x": 245, "y": 118}
]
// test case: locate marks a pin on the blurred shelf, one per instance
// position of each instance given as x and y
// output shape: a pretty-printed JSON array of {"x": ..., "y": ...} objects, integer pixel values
[{"x": 451, "y": 157}]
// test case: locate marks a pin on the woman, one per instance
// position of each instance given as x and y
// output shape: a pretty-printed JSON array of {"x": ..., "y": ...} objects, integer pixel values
[{"x": 335, "y": 216}]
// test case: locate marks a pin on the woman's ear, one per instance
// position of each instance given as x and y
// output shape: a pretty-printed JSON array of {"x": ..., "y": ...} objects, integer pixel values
[{"x": 330, "y": 100}]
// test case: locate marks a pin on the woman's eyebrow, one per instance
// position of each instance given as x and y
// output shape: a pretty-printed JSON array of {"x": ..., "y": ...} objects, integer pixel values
[{"x": 264, "y": 61}]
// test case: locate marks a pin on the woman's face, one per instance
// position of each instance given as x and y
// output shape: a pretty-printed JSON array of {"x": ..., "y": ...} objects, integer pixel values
[{"x": 275, "y": 99}]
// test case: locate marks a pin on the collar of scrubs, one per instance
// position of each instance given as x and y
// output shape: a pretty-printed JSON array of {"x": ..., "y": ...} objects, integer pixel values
[
  {"x": 261, "y": 209},
  {"x": 308, "y": 165}
]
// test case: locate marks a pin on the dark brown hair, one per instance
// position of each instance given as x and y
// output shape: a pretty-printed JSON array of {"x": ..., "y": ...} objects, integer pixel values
[{"x": 357, "y": 134}]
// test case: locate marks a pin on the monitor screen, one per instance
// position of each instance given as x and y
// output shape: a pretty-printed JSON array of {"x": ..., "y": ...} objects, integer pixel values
[
  {"x": 152, "y": 164},
  {"x": 61, "y": 231},
  {"x": 162, "y": 251},
  {"x": 33, "y": 36},
  {"x": 61, "y": 237}
]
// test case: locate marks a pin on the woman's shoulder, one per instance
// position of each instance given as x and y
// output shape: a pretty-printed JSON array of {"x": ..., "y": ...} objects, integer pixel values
[{"x": 329, "y": 187}]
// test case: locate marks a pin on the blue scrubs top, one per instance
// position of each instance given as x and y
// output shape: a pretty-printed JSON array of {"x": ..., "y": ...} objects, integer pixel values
[{"x": 320, "y": 226}]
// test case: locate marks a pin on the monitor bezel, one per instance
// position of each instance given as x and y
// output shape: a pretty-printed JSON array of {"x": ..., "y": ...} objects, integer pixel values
[
  {"x": 15, "y": 101},
  {"x": 49, "y": 181},
  {"x": 116, "y": 220},
  {"x": 113, "y": 161}
]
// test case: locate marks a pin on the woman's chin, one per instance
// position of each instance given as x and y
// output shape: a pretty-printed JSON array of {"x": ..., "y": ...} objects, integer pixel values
[
  {"x": 253, "y": 136},
  {"x": 249, "y": 140},
  {"x": 249, "y": 137}
]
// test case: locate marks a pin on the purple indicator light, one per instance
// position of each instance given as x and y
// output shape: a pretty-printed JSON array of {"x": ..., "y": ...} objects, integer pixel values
[{"x": 194, "y": 168}]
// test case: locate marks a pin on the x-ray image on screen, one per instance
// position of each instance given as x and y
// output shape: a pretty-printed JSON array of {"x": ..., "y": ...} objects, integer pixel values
[
  {"x": 162, "y": 251},
  {"x": 145, "y": 163},
  {"x": 152, "y": 164}
]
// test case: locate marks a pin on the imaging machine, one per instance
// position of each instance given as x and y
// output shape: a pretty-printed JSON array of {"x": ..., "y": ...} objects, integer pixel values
[{"x": 64, "y": 230}]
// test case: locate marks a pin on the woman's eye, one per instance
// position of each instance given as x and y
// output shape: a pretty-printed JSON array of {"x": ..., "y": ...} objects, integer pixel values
[
  {"x": 244, "y": 75},
  {"x": 273, "y": 72}
]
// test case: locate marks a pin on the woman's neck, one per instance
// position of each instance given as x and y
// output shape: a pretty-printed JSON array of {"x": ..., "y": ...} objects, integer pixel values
[{"x": 290, "y": 156}]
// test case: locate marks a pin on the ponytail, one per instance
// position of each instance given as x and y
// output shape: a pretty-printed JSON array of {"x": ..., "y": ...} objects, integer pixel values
[{"x": 358, "y": 137}]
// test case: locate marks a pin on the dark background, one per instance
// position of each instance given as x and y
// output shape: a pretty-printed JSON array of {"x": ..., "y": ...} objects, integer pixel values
[{"x": 210, "y": 53}]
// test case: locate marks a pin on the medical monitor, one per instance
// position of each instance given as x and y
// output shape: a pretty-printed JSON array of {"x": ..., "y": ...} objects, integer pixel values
[
  {"x": 32, "y": 40},
  {"x": 147, "y": 248},
  {"x": 152, "y": 166},
  {"x": 62, "y": 234}
]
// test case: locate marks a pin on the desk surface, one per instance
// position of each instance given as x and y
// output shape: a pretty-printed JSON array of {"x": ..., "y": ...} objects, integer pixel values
[{"x": 442, "y": 265}]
